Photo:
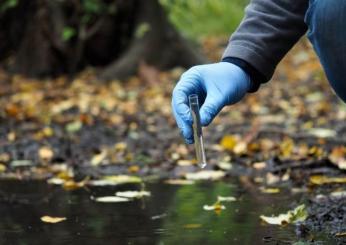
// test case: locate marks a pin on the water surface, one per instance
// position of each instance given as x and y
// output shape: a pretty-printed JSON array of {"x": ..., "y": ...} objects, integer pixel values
[{"x": 172, "y": 215}]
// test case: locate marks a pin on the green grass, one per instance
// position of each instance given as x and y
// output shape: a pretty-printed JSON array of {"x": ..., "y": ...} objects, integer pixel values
[{"x": 200, "y": 18}]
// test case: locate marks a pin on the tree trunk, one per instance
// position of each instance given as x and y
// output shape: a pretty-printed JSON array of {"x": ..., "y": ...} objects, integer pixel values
[
  {"x": 137, "y": 32},
  {"x": 161, "y": 45}
]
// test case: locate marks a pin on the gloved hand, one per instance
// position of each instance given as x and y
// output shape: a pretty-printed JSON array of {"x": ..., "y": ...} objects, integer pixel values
[{"x": 216, "y": 85}]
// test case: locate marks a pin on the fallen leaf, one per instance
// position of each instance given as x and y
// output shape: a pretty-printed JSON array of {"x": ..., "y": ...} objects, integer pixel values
[
  {"x": 71, "y": 185},
  {"x": 53, "y": 220},
  {"x": 240, "y": 148},
  {"x": 259, "y": 165},
  {"x": 322, "y": 132},
  {"x": 21, "y": 163},
  {"x": 340, "y": 234},
  {"x": 120, "y": 147},
  {"x": 299, "y": 214},
  {"x": 133, "y": 169},
  {"x": 184, "y": 162},
  {"x": 111, "y": 199},
  {"x": 206, "y": 175},
  {"x": 226, "y": 199},
  {"x": 73, "y": 127},
  {"x": 270, "y": 190},
  {"x": 112, "y": 180},
  {"x": 217, "y": 207},
  {"x": 45, "y": 153},
  {"x": 225, "y": 165},
  {"x": 98, "y": 158},
  {"x": 322, "y": 180},
  {"x": 228, "y": 142},
  {"x": 2, "y": 168},
  {"x": 338, "y": 194},
  {"x": 55, "y": 181},
  {"x": 179, "y": 182},
  {"x": 192, "y": 226},
  {"x": 132, "y": 194}
]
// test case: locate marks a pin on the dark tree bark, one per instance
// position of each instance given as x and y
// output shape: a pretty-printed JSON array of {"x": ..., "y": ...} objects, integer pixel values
[{"x": 31, "y": 40}]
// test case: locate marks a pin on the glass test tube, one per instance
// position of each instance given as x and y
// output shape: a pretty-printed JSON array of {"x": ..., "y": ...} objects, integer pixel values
[{"x": 197, "y": 131}]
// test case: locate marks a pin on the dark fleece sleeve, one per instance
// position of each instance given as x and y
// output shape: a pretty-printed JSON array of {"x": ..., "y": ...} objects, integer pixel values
[{"x": 268, "y": 31}]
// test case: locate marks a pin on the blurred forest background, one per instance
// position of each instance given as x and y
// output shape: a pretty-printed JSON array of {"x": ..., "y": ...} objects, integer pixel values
[{"x": 63, "y": 36}]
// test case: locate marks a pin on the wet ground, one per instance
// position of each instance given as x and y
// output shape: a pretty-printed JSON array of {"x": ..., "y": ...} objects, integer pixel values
[{"x": 172, "y": 215}]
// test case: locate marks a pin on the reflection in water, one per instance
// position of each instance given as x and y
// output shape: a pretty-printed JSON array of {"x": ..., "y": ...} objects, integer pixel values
[{"x": 172, "y": 215}]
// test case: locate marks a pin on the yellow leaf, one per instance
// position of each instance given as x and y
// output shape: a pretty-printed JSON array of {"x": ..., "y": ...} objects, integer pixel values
[
  {"x": 46, "y": 153},
  {"x": 228, "y": 142},
  {"x": 286, "y": 147},
  {"x": 133, "y": 169},
  {"x": 2, "y": 168},
  {"x": 322, "y": 180},
  {"x": 120, "y": 147},
  {"x": 71, "y": 185},
  {"x": 270, "y": 190},
  {"x": 53, "y": 220}
]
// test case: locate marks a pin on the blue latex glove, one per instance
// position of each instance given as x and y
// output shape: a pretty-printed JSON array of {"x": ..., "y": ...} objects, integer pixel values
[{"x": 216, "y": 85}]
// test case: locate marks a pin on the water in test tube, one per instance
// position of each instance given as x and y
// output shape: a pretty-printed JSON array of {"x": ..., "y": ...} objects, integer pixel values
[{"x": 197, "y": 130}]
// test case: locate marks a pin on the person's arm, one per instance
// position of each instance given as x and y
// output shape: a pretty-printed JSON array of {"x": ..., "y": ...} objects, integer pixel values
[
  {"x": 270, "y": 28},
  {"x": 268, "y": 31}
]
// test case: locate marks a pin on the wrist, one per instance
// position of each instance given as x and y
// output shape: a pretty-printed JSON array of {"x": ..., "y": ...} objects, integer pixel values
[{"x": 256, "y": 77}]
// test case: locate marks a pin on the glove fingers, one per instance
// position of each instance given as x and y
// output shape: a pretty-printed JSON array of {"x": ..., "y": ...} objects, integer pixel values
[
  {"x": 210, "y": 108},
  {"x": 182, "y": 114}
]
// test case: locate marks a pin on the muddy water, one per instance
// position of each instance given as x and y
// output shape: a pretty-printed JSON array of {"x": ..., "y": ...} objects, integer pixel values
[{"x": 172, "y": 215}]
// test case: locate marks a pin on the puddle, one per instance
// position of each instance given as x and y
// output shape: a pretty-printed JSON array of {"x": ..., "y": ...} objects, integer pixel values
[{"x": 172, "y": 215}]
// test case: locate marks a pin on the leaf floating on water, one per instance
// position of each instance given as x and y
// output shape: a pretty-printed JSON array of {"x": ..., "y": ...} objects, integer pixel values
[
  {"x": 71, "y": 185},
  {"x": 192, "y": 226},
  {"x": 217, "y": 207},
  {"x": 52, "y": 220},
  {"x": 132, "y": 194},
  {"x": 206, "y": 175},
  {"x": 112, "y": 180},
  {"x": 226, "y": 199},
  {"x": 111, "y": 199},
  {"x": 179, "y": 182},
  {"x": 299, "y": 214},
  {"x": 323, "y": 180}
]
